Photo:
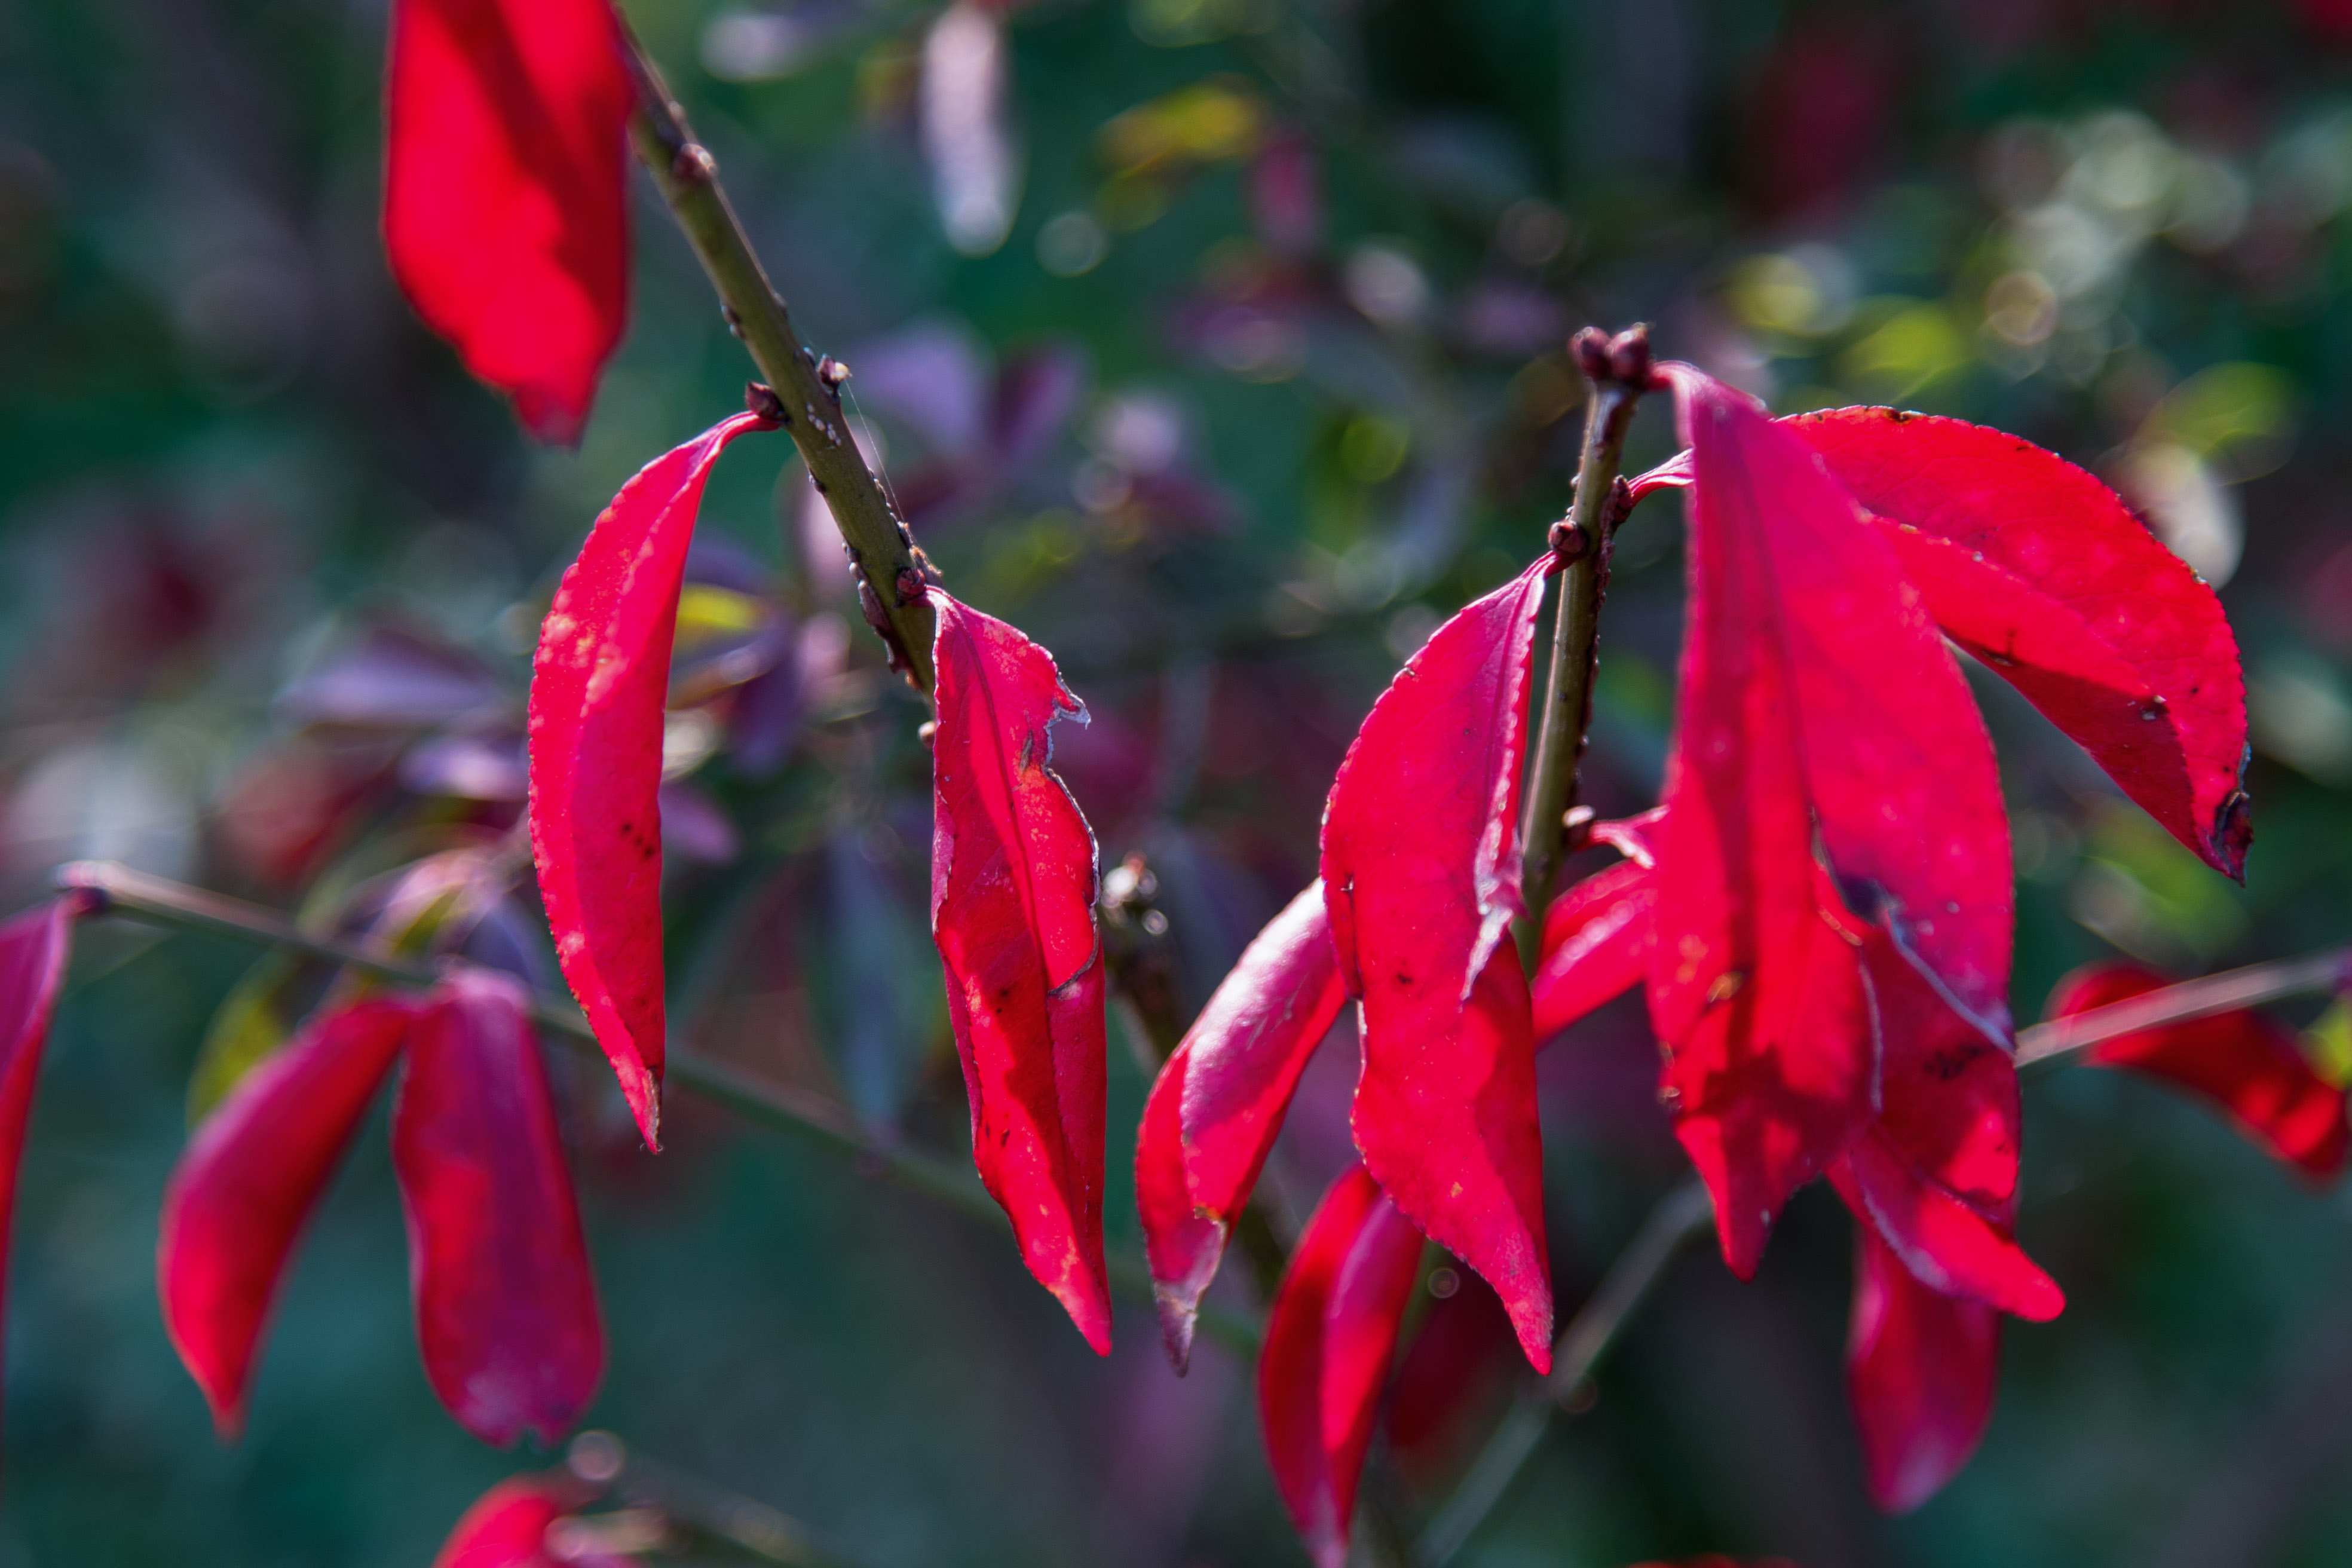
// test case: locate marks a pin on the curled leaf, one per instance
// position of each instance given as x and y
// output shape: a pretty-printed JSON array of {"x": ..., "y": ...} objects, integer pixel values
[
  {"x": 1421, "y": 875},
  {"x": 2246, "y": 1063},
  {"x": 505, "y": 209},
  {"x": 1831, "y": 776},
  {"x": 2043, "y": 573},
  {"x": 506, "y": 1301},
  {"x": 249, "y": 1177},
  {"x": 1218, "y": 1103},
  {"x": 596, "y": 694},
  {"x": 1597, "y": 942},
  {"x": 1920, "y": 1370},
  {"x": 1012, "y": 896},
  {"x": 1329, "y": 1340}
]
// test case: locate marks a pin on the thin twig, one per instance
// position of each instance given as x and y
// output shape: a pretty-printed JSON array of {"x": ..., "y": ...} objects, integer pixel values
[
  {"x": 677, "y": 1500},
  {"x": 113, "y": 889},
  {"x": 892, "y": 572},
  {"x": 1581, "y": 543},
  {"x": 1681, "y": 1215},
  {"x": 2047, "y": 1044}
]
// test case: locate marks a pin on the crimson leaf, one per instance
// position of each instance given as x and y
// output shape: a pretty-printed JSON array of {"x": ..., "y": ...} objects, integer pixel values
[
  {"x": 1012, "y": 896},
  {"x": 33, "y": 951},
  {"x": 1920, "y": 1369},
  {"x": 2245, "y": 1063},
  {"x": 507, "y": 1526},
  {"x": 1329, "y": 1338},
  {"x": 2042, "y": 573},
  {"x": 505, "y": 206},
  {"x": 506, "y": 1303},
  {"x": 1218, "y": 1103},
  {"x": 597, "y": 688},
  {"x": 249, "y": 1177},
  {"x": 1828, "y": 760},
  {"x": 1421, "y": 874},
  {"x": 1598, "y": 938}
]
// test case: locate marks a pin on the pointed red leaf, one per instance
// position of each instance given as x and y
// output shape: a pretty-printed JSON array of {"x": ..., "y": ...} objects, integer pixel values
[
  {"x": 505, "y": 199},
  {"x": 1329, "y": 1340},
  {"x": 597, "y": 687},
  {"x": 1013, "y": 898},
  {"x": 506, "y": 1303},
  {"x": 1936, "y": 1173},
  {"x": 250, "y": 1176},
  {"x": 2042, "y": 573},
  {"x": 1218, "y": 1104},
  {"x": 1597, "y": 942},
  {"x": 1421, "y": 874},
  {"x": 2245, "y": 1063},
  {"x": 34, "y": 948},
  {"x": 507, "y": 1527},
  {"x": 1819, "y": 710},
  {"x": 1920, "y": 1369}
]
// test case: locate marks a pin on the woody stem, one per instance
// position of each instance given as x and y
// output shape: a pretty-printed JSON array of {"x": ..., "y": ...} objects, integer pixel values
[
  {"x": 108, "y": 889},
  {"x": 891, "y": 572},
  {"x": 1581, "y": 543}
]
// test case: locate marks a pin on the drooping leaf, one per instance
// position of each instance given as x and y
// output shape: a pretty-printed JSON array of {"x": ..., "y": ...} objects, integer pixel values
[
  {"x": 2245, "y": 1063},
  {"x": 2042, "y": 573},
  {"x": 249, "y": 1177},
  {"x": 1936, "y": 1172},
  {"x": 596, "y": 694},
  {"x": 1218, "y": 1104},
  {"x": 1830, "y": 774},
  {"x": 1012, "y": 896},
  {"x": 505, "y": 208},
  {"x": 1920, "y": 1371},
  {"x": 507, "y": 1527},
  {"x": 1421, "y": 875},
  {"x": 1597, "y": 942},
  {"x": 1329, "y": 1340},
  {"x": 506, "y": 1301}
]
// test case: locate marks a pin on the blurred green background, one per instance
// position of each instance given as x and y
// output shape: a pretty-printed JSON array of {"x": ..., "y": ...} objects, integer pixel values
[{"x": 1219, "y": 343}]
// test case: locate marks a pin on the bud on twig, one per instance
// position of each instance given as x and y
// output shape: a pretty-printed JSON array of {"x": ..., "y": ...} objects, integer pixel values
[{"x": 762, "y": 399}]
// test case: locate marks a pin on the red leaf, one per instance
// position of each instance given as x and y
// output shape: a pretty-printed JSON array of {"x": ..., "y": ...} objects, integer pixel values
[
  {"x": 1920, "y": 1370},
  {"x": 1936, "y": 1173},
  {"x": 2042, "y": 573},
  {"x": 596, "y": 693},
  {"x": 1329, "y": 1338},
  {"x": 1818, "y": 711},
  {"x": 250, "y": 1176},
  {"x": 504, "y": 198},
  {"x": 507, "y": 1527},
  {"x": 506, "y": 1303},
  {"x": 1597, "y": 943},
  {"x": 2245, "y": 1063},
  {"x": 34, "y": 948},
  {"x": 1421, "y": 874},
  {"x": 1012, "y": 896},
  {"x": 1218, "y": 1104}
]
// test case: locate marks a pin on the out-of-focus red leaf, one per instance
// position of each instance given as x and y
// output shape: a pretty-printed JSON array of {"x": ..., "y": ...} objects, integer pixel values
[
  {"x": 507, "y": 1527},
  {"x": 1218, "y": 1104},
  {"x": 596, "y": 692},
  {"x": 505, "y": 202},
  {"x": 1821, "y": 718},
  {"x": 506, "y": 1303},
  {"x": 1328, "y": 1338},
  {"x": 2245, "y": 1063},
  {"x": 1421, "y": 874},
  {"x": 1597, "y": 942},
  {"x": 2042, "y": 573},
  {"x": 249, "y": 1177},
  {"x": 1920, "y": 1370},
  {"x": 1013, "y": 898},
  {"x": 34, "y": 948}
]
